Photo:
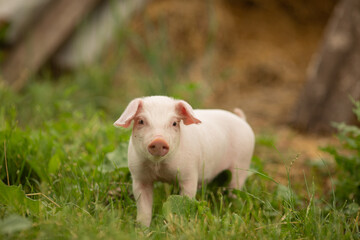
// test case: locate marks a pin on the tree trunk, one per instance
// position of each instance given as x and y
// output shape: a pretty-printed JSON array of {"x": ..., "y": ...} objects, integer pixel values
[
  {"x": 334, "y": 74},
  {"x": 51, "y": 29},
  {"x": 85, "y": 46}
]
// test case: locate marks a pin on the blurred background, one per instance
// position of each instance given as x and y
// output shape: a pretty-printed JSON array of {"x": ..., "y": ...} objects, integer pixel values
[{"x": 260, "y": 55}]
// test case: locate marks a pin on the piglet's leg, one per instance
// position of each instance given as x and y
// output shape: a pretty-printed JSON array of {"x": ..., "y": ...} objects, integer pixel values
[
  {"x": 189, "y": 187},
  {"x": 143, "y": 193}
]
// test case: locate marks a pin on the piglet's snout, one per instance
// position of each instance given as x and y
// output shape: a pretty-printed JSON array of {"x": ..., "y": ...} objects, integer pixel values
[{"x": 158, "y": 147}]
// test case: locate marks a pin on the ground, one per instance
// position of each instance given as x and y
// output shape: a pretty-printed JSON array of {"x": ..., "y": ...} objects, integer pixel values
[{"x": 250, "y": 54}]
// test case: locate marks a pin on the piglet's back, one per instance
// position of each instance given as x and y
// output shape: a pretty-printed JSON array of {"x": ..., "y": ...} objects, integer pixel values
[
  {"x": 221, "y": 139},
  {"x": 227, "y": 121}
]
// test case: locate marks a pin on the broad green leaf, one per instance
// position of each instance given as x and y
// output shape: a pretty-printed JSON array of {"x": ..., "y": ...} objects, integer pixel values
[
  {"x": 181, "y": 206},
  {"x": 116, "y": 160},
  {"x": 14, "y": 223},
  {"x": 15, "y": 198}
]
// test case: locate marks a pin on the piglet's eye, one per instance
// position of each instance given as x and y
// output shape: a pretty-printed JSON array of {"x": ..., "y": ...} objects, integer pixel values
[
  {"x": 141, "y": 122},
  {"x": 174, "y": 124}
]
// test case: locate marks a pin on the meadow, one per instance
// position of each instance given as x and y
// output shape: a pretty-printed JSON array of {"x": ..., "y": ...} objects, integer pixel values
[{"x": 64, "y": 175}]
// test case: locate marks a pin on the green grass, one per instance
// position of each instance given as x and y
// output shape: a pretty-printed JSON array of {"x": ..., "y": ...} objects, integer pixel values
[
  {"x": 70, "y": 152},
  {"x": 57, "y": 140}
]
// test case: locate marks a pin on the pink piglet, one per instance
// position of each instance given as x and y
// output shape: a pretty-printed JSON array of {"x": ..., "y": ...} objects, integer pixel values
[{"x": 170, "y": 141}]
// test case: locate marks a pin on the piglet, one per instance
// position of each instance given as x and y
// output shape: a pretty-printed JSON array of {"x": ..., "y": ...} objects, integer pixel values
[{"x": 172, "y": 142}]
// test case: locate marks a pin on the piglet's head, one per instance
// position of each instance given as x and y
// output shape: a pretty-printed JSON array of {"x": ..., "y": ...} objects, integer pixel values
[{"x": 157, "y": 125}]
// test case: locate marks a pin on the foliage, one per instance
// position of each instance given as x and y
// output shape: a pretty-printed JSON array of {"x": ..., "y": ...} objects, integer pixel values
[
  {"x": 347, "y": 160},
  {"x": 184, "y": 208},
  {"x": 78, "y": 162},
  {"x": 15, "y": 199},
  {"x": 116, "y": 159}
]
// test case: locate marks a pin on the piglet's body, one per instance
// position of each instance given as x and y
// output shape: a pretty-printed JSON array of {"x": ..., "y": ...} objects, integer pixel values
[{"x": 170, "y": 142}]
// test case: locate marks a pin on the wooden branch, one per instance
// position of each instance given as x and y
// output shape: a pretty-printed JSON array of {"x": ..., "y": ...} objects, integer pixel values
[
  {"x": 51, "y": 29},
  {"x": 334, "y": 74},
  {"x": 86, "y": 46}
]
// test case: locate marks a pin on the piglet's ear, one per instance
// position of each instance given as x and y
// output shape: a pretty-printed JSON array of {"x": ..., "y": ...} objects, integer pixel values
[
  {"x": 129, "y": 114},
  {"x": 186, "y": 113}
]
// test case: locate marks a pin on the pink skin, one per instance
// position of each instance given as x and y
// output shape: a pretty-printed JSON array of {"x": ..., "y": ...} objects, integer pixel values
[
  {"x": 158, "y": 147},
  {"x": 171, "y": 141}
]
